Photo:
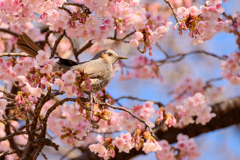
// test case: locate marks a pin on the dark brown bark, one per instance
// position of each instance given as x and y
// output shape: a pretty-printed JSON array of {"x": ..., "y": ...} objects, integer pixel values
[{"x": 227, "y": 114}]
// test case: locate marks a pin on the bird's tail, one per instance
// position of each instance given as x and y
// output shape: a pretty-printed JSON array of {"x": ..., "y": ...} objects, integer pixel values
[{"x": 24, "y": 43}]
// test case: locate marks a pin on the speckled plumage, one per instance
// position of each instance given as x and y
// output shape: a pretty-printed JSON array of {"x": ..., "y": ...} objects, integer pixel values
[{"x": 99, "y": 69}]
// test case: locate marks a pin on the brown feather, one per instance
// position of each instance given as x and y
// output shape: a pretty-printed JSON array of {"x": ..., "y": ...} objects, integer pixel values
[{"x": 25, "y": 44}]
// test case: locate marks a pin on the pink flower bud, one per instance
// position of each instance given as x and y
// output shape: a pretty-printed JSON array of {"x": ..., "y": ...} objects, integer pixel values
[
  {"x": 138, "y": 35},
  {"x": 134, "y": 43}
]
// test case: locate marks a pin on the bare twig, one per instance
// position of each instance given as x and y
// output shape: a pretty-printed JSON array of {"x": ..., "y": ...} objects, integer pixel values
[
  {"x": 128, "y": 35},
  {"x": 65, "y": 9},
  {"x": 158, "y": 45},
  {"x": 86, "y": 46},
  {"x": 7, "y": 153},
  {"x": 178, "y": 57},
  {"x": 9, "y": 32},
  {"x": 21, "y": 54},
  {"x": 122, "y": 39},
  {"x": 46, "y": 38},
  {"x": 174, "y": 14},
  {"x": 72, "y": 44},
  {"x": 142, "y": 100},
  {"x": 214, "y": 79},
  {"x": 128, "y": 111},
  {"x": 68, "y": 152},
  {"x": 44, "y": 155},
  {"x": 8, "y": 94},
  {"x": 56, "y": 44}
]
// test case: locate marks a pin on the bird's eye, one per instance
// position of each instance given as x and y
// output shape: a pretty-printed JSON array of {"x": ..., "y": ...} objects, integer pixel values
[{"x": 109, "y": 54}]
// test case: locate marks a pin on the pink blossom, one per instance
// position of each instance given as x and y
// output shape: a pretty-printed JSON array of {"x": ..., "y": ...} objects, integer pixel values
[
  {"x": 3, "y": 104},
  {"x": 150, "y": 147},
  {"x": 47, "y": 68},
  {"x": 134, "y": 43},
  {"x": 119, "y": 143},
  {"x": 45, "y": 81},
  {"x": 138, "y": 35},
  {"x": 100, "y": 138},
  {"x": 19, "y": 70},
  {"x": 69, "y": 77},
  {"x": 127, "y": 137},
  {"x": 42, "y": 57},
  {"x": 58, "y": 82}
]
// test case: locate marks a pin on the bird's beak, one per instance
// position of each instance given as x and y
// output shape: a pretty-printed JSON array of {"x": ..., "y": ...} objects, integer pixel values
[{"x": 123, "y": 58}]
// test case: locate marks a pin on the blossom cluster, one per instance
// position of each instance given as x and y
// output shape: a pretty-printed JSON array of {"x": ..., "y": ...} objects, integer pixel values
[
  {"x": 231, "y": 68},
  {"x": 92, "y": 21},
  {"x": 21, "y": 12},
  {"x": 141, "y": 139},
  {"x": 165, "y": 119},
  {"x": 142, "y": 68},
  {"x": 203, "y": 23},
  {"x": 117, "y": 121},
  {"x": 69, "y": 123},
  {"x": 186, "y": 149},
  {"x": 192, "y": 99},
  {"x": 194, "y": 106}
]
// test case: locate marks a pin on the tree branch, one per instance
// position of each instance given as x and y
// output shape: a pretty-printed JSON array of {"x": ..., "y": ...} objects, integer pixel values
[
  {"x": 56, "y": 44},
  {"x": 174, "y": 14},
  {"x": 9, "y": 32},
  {"x": 86, "y": 46},
  {"x": 21, "y": 54}
]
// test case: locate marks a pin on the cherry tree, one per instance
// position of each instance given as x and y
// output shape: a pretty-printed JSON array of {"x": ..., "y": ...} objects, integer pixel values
[{"x": 39, "y": 104}]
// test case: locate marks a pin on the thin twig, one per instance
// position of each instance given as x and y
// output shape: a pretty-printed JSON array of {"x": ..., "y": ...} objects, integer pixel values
[
  {"x": 174, "y": 14},
  {"x": 44, "y": 155},
  {"x": 142, "y": 100},
  {"x": 7, "y": 153},
  {"x": 158, "y": 45},
  {"x": 128, "y": 111},
  {"x": 178, "y": 57},
  {"x": 12, "y": 135},
  {"x": 9, "y": 32},
  {"x": 86, "y": 46},
  {"x": 56, "y": 44},
  {"x": 122, "y": 39},
  {"x": 68, "y": 152},
  {"x": 65, "y": 9},
  {"x": 21, "y": 54}
]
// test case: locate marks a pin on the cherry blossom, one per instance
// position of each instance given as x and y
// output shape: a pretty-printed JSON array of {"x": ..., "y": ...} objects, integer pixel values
[{"x": 231, "y": 68}]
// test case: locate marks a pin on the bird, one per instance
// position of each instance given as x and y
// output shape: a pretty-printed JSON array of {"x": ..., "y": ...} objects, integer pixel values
[{"x": 99, "y": 69}]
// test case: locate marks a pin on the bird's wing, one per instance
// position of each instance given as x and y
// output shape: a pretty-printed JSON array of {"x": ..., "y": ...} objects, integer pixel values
[
  {"x": 24, "y": 43},
  {"x": 67, "y": 62},
  {"x": 92, "y": 69}
]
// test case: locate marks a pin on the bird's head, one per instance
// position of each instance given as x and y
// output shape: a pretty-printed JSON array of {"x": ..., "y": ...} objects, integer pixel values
[{"x": 109, "y": 56}]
